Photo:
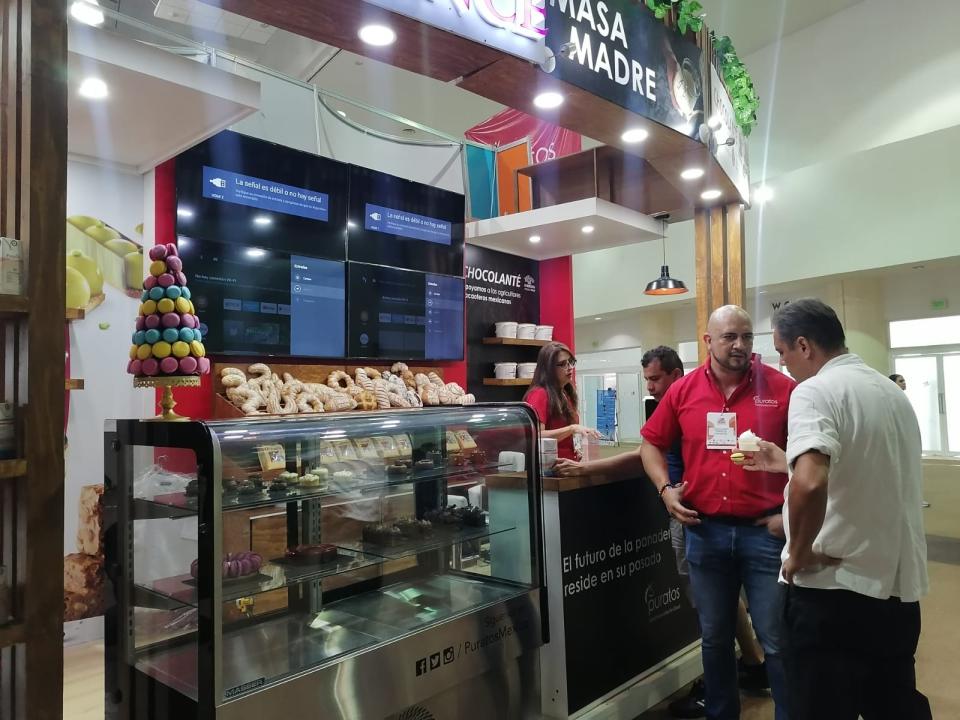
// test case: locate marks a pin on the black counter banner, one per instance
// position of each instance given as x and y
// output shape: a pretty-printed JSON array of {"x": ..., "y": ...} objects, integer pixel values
[
  {"x": 499, "y": 288},
  {"x": 625, "y": 606},
  {"x": 618, "y": 50}
]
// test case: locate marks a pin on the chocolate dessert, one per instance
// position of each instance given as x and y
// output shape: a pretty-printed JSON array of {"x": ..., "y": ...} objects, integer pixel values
[
  {"x": 312, "y": 554},
  {"x": 382, "y": 534}
]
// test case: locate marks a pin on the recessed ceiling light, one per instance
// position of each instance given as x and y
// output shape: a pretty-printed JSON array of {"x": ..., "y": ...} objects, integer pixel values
[
  {"x": 635, "y": 135},
  {"x": 262, "y": 220},
  {"x": 587, "y": 229},
  {"x": 710, "y": 194},
  {"x": 598, "y": 318},
  {"x": 763, "y": 194},
  {"x": 88, "y": 12},
  {"x": 534, "y": 239},
  {"x": 693, "y": 173},
  {"x": 377, "y": 35},
  {"x": 548, "y": 100},
  {"x": 256, "y": 253},
  {"x": 184, "y": 212},
  {"x": 93, "y": 89}
]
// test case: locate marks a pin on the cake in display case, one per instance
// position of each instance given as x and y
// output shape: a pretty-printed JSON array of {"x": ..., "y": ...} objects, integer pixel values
[{"x": 335, "y": 567}]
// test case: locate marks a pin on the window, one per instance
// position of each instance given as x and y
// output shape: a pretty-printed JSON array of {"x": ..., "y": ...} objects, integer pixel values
[{"x": 925, "y": 332}]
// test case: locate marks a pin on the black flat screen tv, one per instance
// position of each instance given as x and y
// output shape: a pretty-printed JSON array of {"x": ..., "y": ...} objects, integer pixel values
[
  {"x": 403, "y": 314},
  {"x": 238, "y": 190},
  {"x": 404, "y": 224},
  {"x": 253, "y": 301}
]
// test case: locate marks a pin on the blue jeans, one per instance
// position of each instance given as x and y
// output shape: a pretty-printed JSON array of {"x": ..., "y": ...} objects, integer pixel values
[{"x": 723, "y": 558}]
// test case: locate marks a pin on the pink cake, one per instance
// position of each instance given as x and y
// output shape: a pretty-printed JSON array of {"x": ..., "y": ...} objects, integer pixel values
[{"x": 167, "y": 340}]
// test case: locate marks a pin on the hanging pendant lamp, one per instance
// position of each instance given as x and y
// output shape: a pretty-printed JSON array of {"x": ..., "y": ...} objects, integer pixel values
[{"x": 665, "y": 285}]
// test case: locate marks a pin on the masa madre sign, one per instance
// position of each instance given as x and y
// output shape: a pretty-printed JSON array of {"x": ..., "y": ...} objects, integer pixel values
[
  {"x": 617, "y": 50},
  {"x": 516, "y": 27}
]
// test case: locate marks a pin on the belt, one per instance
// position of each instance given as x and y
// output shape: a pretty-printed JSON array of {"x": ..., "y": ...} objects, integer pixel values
[{"x": 738, "y": 520}]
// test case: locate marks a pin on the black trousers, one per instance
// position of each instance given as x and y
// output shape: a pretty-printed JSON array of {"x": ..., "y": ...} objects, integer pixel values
[{"x": 848, "y": 655}]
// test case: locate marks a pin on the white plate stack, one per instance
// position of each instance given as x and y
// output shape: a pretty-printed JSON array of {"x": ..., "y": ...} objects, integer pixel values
[
  {"x": 526, "y": 370},
  {"x": 544, "y": 332},
  {"x": 505, "y": 371},
  {"x": 526, "y": 331}
]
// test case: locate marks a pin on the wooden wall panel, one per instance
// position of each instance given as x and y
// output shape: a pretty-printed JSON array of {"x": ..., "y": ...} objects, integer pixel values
[{"x": 721, "y": 275}]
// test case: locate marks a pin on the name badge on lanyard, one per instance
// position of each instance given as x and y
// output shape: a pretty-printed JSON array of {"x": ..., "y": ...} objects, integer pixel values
[{"x": 721, "y": 431}]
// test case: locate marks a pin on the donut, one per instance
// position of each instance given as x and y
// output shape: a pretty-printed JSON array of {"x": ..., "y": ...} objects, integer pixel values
[
  {"x": 173, "y": 292},
  {"x": 175, "y": 264},
  {"x": 161, "y": 349},
  {"x": 149, "y": 282},
  {"x": 165, "y": 280},
  {"x": 188, "y": 365},
  {"x": 338, "y": 380},
  {"x": 165, "y": 306},
  {"x": 169, "y": 365},
  {"x": 155, "y": 293},
  {"x": 158, "y": 252},
  {"x": 150, "y": 367},
  {"x": 151, "y": 322},
  {"x": 158, "y": 268}
]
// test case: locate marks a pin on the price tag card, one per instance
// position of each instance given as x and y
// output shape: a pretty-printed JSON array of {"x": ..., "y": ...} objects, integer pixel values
[{"x": 721, "y": 431}]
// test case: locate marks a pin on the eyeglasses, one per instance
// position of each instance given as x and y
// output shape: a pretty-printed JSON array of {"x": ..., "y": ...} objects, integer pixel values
[{"x": 571, "y": 363}]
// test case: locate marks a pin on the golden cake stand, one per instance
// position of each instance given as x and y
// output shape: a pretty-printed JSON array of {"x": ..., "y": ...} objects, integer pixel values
[{"x": 168, "y": 383}]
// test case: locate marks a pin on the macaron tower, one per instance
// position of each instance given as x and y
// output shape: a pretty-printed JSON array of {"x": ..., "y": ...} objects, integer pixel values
[{"x": 167, "y": 341}]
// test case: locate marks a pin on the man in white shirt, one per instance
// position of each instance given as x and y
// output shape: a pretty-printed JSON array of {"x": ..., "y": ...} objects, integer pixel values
[{"x": 855, "y": 557}]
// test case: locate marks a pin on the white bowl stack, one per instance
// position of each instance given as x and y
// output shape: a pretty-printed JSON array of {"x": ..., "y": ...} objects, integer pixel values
[
  {"x": 505, "y": 329},
  {"x": 526, "y": 370},
  {"x": 526, "y": 331},
  {"x": 505, "y": 370},
  {"x": 544, "y": 332}
]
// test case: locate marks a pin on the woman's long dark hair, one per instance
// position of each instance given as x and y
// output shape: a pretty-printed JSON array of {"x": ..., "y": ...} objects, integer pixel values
[{"x": 561, "y": 401}]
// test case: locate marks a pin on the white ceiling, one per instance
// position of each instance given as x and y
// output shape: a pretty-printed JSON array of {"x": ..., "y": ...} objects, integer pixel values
[
  {"x": 159, "y": 104},
  {"x": 754, "y": 24}
]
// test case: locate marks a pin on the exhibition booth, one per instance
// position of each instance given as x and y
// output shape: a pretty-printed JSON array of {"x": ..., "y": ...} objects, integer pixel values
[{"x": 356, "y": 519}]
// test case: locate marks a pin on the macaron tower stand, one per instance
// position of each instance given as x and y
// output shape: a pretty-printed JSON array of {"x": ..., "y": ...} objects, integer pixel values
[{"x": 167, "y": 350}]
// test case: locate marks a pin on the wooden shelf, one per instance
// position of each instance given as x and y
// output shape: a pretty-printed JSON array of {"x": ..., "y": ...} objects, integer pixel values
[
  {"x": 14, "y": 305},
  {"x": 515, "y": 341},
  {"x": 12, "y": 468},
  {"x": 512, "y": 382},
  {"x": 76, "y": 313},
  {"x": 12, "y": 634},
  {"x": 73, "y": 384}
]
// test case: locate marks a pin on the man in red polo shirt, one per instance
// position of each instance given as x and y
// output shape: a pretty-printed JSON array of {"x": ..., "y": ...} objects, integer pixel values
[{"x": 734, "y": 527}]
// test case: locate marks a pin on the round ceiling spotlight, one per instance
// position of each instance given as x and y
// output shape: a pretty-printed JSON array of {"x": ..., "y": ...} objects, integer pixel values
[
  {"x": 710, "y": 194},
  {"x": 377, "y": 35},
  {"x": 693, "y": 173},
  {"x": 634, "y": 136},
  {"x": 548, "y": 100}
]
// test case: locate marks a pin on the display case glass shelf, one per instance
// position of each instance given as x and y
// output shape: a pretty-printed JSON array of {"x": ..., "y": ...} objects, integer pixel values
[{"x": 251, "y": 552}]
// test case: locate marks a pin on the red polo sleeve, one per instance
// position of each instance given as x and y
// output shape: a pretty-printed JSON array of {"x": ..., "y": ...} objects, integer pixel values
[
  {"x": 663, "y": 428},
  {"x": 537, "y": 399}
]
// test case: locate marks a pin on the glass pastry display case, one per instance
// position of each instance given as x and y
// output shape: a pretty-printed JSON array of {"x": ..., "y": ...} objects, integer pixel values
[{"x": 337, "y": 566}]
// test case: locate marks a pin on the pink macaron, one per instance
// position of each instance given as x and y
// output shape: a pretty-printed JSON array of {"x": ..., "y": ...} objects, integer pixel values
[
  {"x": 165, "y": 280},
  {"x": 174, "y": 264},
  {"x": 189, "y": 321},
  {"x": 152, "y": 322},
  {"x": 188, "y": 365},
  {"x": 149, "y": 283},
  {"x": 150, "y": 367},
  {"x": 141, "y": 322},
  {"x": 170, "y": 320},
  {"x": 181, "y": 279},
  {"x": 169, "y": 365},
  {"x": 171, "y": 249},
  {"x": 203, "y": 365},
  {"x": 158, "y": 252}
]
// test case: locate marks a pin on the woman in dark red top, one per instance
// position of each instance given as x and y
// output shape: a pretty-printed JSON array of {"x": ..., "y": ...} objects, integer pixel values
[{"x": 553, "y": 396}]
